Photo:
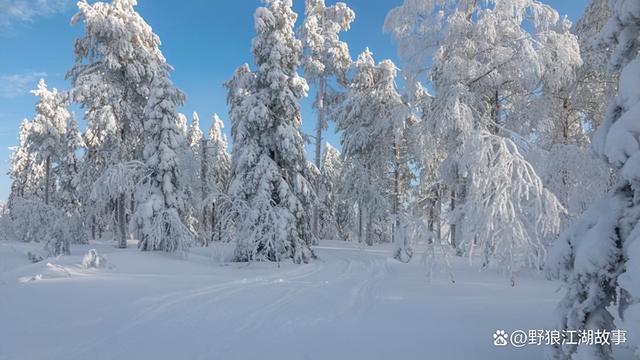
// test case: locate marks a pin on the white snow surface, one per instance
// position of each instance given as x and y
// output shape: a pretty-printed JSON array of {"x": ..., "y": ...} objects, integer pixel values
[{"x": 350, "y": 303}]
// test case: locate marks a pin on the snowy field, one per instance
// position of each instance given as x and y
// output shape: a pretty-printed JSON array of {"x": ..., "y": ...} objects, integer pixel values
[{"x": 351, "y": 303}]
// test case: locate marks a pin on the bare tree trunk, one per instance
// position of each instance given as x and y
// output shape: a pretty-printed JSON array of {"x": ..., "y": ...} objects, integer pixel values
[
  {"x": 214, "y": 221},
  {"x": 397, "y": 199},
  {"x": 122, "y": 220},
  {"x": 360, "y": 225},
  {"x": 457, "y": 198},
  {"x": 203, "y": 185},
  {"x": 471, "y": 9},
  {"x": 495, "y": 114},
  {"x": 367, "y": 229},
  {"x": 452, "y": 226},
  {"x": 319, "y": 128},
  {"x": 434, "y": 215},
  {"x": 93, "y": 227},
  {"x": 47, "y": 179},
  {"x": 437, "y": 214}
]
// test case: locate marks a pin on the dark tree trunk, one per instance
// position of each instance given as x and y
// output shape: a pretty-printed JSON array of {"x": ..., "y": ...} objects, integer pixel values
[
  {"x": 122, "y": 221},
  {"x": 47, "y": 179}
]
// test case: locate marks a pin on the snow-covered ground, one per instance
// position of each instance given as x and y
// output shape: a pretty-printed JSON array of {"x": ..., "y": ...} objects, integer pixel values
[{"x": 351, "y": 303}]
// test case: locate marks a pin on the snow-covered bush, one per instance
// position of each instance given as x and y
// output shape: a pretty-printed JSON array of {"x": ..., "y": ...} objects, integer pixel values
[
  {"x": 93, "y": 260},
  {"x": 7, "y": 231},
  {"x": 33, "y": 220},
  {"x": 33, "y": 257},
  {"x": 59, "y": 238}
]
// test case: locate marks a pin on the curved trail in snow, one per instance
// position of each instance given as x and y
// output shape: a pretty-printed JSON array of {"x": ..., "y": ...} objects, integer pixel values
[{"x": 351, "y": 303}]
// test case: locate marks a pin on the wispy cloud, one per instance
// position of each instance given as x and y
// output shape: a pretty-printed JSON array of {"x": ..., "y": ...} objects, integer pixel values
[
  {"x": 16, "y": 85},
  {"x": 13, "y": 12}
]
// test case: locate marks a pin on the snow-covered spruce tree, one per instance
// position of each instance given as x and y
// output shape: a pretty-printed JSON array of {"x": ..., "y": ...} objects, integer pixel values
[
  {"x": 326, "y": 59},
  {"x": 26, "y": 173},
  {"x": 110, "y": 80},
  {"x": 191, "y": 160},
  {"x": 161, "y": 200},
  {"x": 183, "y": 124},
  {"x": 239, "y": 88},
  {"x": 271, "y": 198},
  {"x": 215, "y": 173},
  {"x": 365, "y": 173},
  {"x": 67, "y": 176},
  {"x": 372, "y": 120},
  {"x": 218, "y": 157},
  {"x": 195, "y": 136},
  {"x": 329, "y": 203},
  {"x": 598, "y": 257}
]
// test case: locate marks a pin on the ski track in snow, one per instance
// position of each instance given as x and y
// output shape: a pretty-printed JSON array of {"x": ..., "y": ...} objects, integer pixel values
[{"x": 350, "y": 303}]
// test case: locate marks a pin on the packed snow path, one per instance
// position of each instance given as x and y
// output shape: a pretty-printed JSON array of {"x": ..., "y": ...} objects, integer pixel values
[{"x": 351, "y": 303}]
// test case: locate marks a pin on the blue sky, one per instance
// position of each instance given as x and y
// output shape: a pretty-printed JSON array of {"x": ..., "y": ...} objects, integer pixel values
[{"x": 204, "y": 40}]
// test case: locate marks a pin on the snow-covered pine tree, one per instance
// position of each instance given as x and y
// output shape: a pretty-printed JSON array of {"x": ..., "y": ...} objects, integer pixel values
[
  {"x": 27, "y": 187},
  {"x": 190, "y": 160},
  {"x": 372, "y": 119},
  {"x": 195, "y": 135},
  {"x": 113, "y": 73},
  {"x": 595, "y": 85},
  {"x": 365, "y": 171},
  {"x": 271, "y": 197},
  {"x": 329, "y": 204},
  {"x": 417, "y": 28},
  {"x": 569, "y": 158},
  {"x": 47, "y": 138},
  {"x": 161, "y": 199},
  {"x": 556, "y": 120},
  {"x": 45, "y": 207},
  {"x": 26, "y": 173},
  {"x": 219, "y": 169},
  {"x": 67, "y": 174},
  {"x": 215, "y": 173},
  {"x": 110, "y": 79},
  {"x": 183, "y": 124},
  {"x": 598, "y": 257},
  {"x": 326, "y": 60}
]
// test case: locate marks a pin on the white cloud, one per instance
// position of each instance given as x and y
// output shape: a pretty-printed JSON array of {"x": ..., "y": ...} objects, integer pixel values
[
  {"x": 20, "y": 11},
  {"x": 16, "y": 85}
]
